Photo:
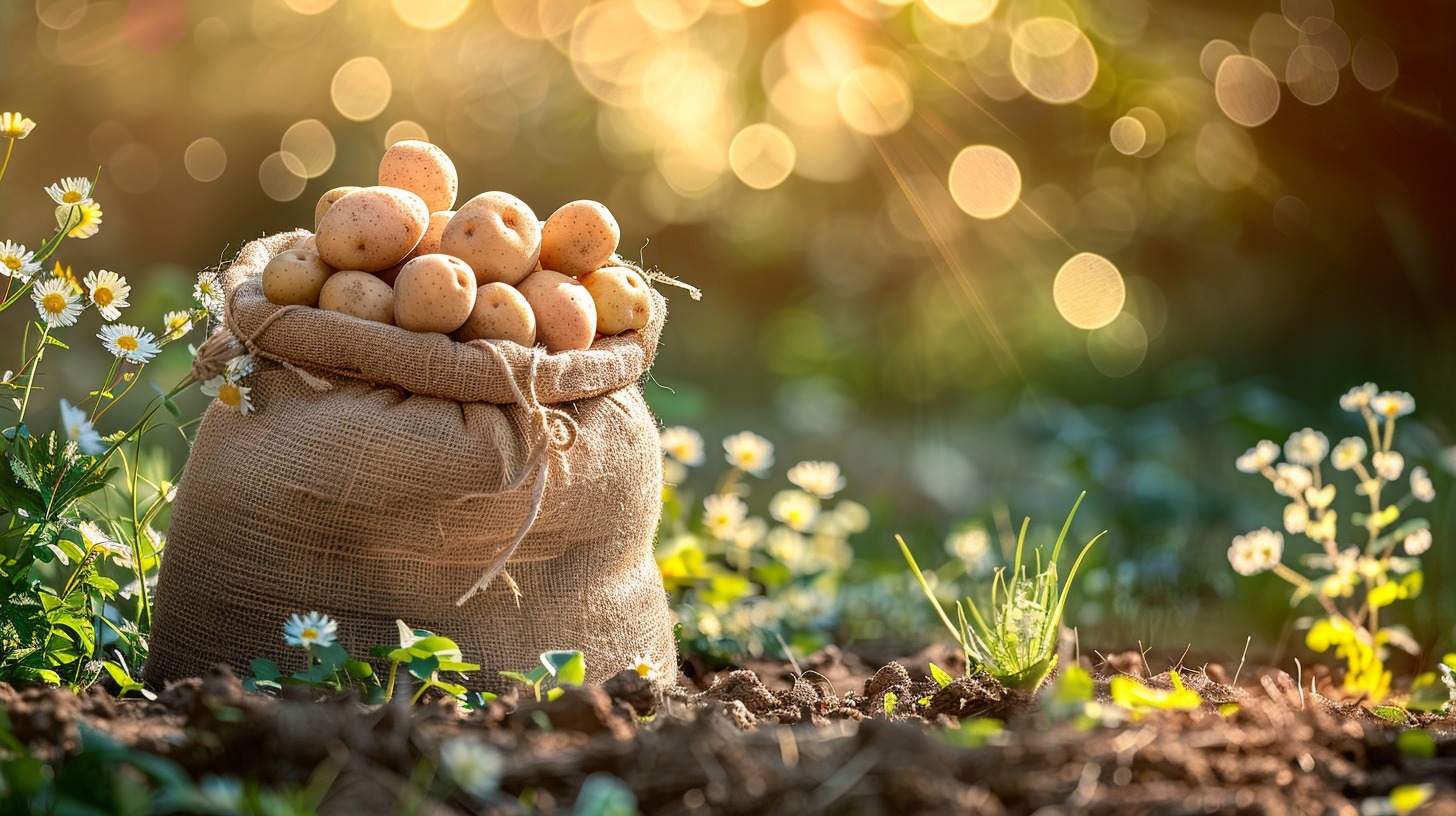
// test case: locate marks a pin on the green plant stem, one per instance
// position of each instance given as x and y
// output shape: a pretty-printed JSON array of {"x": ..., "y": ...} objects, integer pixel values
[
  {"x": 425, "y": 685},
  {"x": 389, "y": 688},
  {"x": 30, "y": 381},
  {"x": 135, "y": 378},
  {"x": 10, "y": 148},
  {"x": 138, "y": 565},
  {"x": 1389, "y": 432},
  {"x": 105, "y": 385}
]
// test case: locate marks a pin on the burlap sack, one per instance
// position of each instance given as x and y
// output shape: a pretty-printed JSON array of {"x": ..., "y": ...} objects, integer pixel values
[{"x": 385, "y": 473}]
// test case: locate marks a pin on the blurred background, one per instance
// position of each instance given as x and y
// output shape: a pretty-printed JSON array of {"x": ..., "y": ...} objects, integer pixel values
[{"x": 983, "y": 254}]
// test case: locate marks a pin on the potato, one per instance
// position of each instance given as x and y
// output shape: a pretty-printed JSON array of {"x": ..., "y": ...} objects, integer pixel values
[
  {"x": 294, "y": 277},
  {"x": 578, "y": 238},
  {"x": 359, "y": 294},
  {"x": 501, "y": 313},
  {"x": 429, "y": 245},
  {"x": 434, "y": 293},
  {"x": 622, "y": 298},
  {"x": 327, "y": 200},
  {"x": 372, "y": 229},
  {"x": 306, "y": 242},
  {"x": 497, "y": 234},
  {"x": 423, "y": 169},
  {"x": 566, "y": 318}
]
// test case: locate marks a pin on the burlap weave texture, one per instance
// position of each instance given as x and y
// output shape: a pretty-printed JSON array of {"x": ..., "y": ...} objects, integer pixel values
[{"x": 383, "y": 473}]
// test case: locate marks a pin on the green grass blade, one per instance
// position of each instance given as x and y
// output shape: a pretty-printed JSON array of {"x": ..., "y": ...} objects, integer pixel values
[
  {"x": 1057, "y": 550},
  {"x": 1020, "y": 543},
  {"x": 1055, "y": 620},
  {"x": 939, "y": 610}
]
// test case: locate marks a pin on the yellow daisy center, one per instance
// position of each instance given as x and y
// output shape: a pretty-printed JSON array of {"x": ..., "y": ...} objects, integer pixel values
[
  {"x": 309, "y": 634},
  {"x": 177, "y": 323},
  {"x": 643, "y": 669},
  {"x": 54, "y": 303},
  {"x": 102, "y": 296},
  {"x": 12, "y": 262},
  {"x": 71, "y": 197},
  {"x": 126, "y": 342},
  {"x": 230, "y": 395}
]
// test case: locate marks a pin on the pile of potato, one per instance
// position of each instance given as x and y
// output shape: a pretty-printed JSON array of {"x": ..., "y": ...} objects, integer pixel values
[{"x": 397, "y": 253}]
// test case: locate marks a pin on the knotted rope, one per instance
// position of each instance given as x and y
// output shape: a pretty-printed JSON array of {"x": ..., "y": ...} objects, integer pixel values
[
  {"x": 227, "y": 343},
  {"x": 554, "y": 432}
]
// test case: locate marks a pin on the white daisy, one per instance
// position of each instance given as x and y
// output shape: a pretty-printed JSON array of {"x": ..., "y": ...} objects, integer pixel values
[
  {"x": 1296, "y": 518},
  {"x": 1349, "y": 453},
  {"x": 71, "y": 191},
  {"x": 1257, "y": 551},
  {"x": 239, "y": 367},
  {"x": 851, "y": 517},
  {"x": 108, "y": 291},
  {"x": 177, "y": 324},
  {"x": 1258, "y": 457},
  {"x": 1358, "y": 397},
  {"x": 820, "y": 478},
  {"x": 129, "y": 342},
  {"x": 79, "y": 429},
  {"x": 313, "y": 629},
  {"x": 644, "y": 668},
  {"x": 795, "y": 508},
  {"x": 16, "y": 263},
  {"x": 1291, "y": 480},
  {"x": 1307, "y": 447},
  {"x": 57, "y": 302},
  {"x": 1388, "y": 464},
  {"x": 1421, "y": 486},
  {"x": 208, "y": 292},
  {"x": 229, "y": 393},
  {"x": 1392, "y": 404},
  {"x": 15, "y": 126},
  {"x": 722, "y": 513},
  {"x": 749, "y": 452},
  {"x": 1417, "y": 542},
  {"x": 683, "y": 444}
]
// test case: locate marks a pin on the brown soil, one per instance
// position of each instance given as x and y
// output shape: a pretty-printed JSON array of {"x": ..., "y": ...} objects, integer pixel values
[{"x": 773, "y": 741}]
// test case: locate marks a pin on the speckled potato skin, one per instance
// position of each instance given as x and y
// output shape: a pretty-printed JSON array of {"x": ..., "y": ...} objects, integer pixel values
[
  {"x": 372, "y": 229},
  {"x": 327, "y": 200},
  {"x": 429, "y": 245},
  {"x": 497, "y": 234},
  {"x": 622, "y": 298},
  {"x": 424, "y": 170},
  {"x": 359, "y": 294},
  {"x": 434, "y": 293},
  {"x": 566, "y": 318},
  {"x": 580, "y": 237},
  {"x": 294, "y": 277},
  {"x": 501, "y": 313}
]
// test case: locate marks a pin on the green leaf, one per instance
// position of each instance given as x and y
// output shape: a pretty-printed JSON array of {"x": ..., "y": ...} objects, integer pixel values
[
  {"x": 453, "y": 689},
  {"x": 119, "y": 676},
  {"x": 424, "y": 667},
  {"x": 264, "y": 669},
  {"x": 358, "y": 669},
  {"x": 1416, "y": 743},
  {"x": 605, "y": 795},
  {"x": 891, "y": 700},
  {"x": 1407, "y": 798},
  {"x": 332, "y": 656},
  {"x": 1132, "y": 695},
  {"x": 457, "y": 666},
  {"x": 975, "y": 733},
  {"x": 435, "y": 645},
  {"x": 50, "y": 340},
  {"x": 1393, "y": 713},
  {"x": 942, "y": 677},
  {"x": 554, "y": 694},
  {"x": 569, "y": 668}
]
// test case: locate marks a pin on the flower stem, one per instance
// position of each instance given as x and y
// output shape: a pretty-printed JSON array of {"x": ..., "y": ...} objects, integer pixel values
[
  {"x": 10, "y": 148},
  {"x": 30, "y": 381},
  {"x": 105, "y": 386},
  {"x": 389, "y": 687},
  {"x": 1389, "y": 431}
]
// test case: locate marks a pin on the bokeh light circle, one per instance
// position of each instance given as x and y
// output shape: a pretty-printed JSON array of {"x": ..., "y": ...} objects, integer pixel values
[
  {"x": 1088, "y": 291},
  {"x": 405, "y": 129},
  {"x": 1213, "y": 55},
  {"x": 1053, "y": 60},
  {"x": 1128, "y": 135},
  {"x": 1312, "y": 75},
  {"x": 1120, "y": 347},
  {"x": 762, "y": 156},
  {"x": 205, "y": 159},
  {"x": 672, "y": 15},
  {"x": 1270, "y": 40},
  {"x": 59, "y": 15},
  {"x": 361, "y": 89},
  {"x": 1246, "y": 90},
  {"x": 1331, "y": 39},
  {"x": 961, "y": 12},
  {"x": 430, "y": 15},
  {"x": 1374, "y": 64},
  {"x": 985, "y": 181},
  {"x": 312, "y": 143},
  {"x": 875, "y": 100},
  {"x": 1225, "y": 157},
  {"x": 134, "y": 168},
  {"x": 310, "y": 7},
  {"x": 1154, "y": 130},
  {"x": 281, "y": 176},
  {"x": 1291, "y": 215},
  {"x": 1304, "y": 15}
]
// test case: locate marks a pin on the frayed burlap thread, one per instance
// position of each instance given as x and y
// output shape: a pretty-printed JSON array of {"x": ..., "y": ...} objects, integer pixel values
[{"x": 386, "y": 474}]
